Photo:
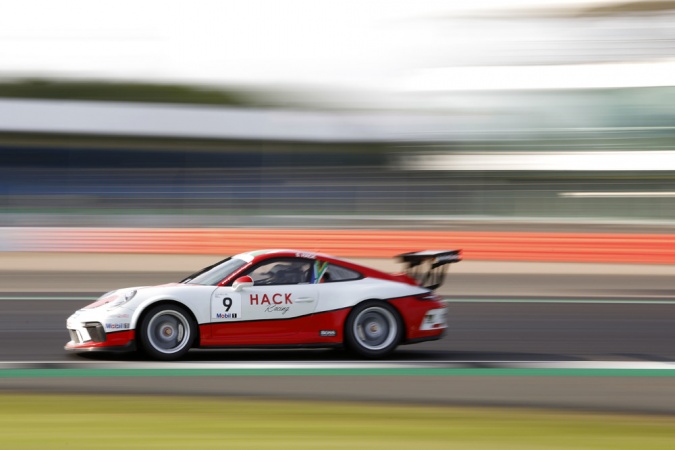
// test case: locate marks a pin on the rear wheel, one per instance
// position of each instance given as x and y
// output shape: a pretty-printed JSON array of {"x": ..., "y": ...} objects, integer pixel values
[
  {"x": 166, "y": 332},
  {"x": 373, "y": 329}
]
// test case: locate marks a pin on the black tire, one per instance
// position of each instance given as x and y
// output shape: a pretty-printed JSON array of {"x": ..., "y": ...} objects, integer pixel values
[
  {"x": 373, "y": 329},
  {"x": 166, "y": 332}
]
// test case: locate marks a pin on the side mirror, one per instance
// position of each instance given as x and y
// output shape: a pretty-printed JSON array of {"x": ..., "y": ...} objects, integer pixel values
[{"x": 241, "y": 283}]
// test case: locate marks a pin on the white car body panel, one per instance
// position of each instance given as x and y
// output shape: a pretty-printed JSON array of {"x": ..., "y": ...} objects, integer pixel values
[{"x": 251, "y": 303}]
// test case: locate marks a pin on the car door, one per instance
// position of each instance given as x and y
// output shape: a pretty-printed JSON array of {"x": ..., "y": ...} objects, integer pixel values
[{"x": 274, "y": 311}]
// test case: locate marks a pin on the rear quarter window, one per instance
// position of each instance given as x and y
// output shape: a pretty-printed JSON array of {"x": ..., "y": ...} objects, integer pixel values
[{"x": 338, "y": 273}]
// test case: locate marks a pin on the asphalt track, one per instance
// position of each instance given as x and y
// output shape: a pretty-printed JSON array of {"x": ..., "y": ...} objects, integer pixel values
[{"x": 575, "y": 337}]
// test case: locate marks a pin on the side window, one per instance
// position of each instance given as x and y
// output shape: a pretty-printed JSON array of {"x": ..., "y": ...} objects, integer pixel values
[
  {"x": 328, "y": 273},
  {"x": 281, "y": 271}
]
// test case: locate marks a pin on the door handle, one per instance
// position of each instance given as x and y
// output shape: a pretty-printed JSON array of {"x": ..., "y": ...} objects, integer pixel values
[{"x": 304, "y": 300}]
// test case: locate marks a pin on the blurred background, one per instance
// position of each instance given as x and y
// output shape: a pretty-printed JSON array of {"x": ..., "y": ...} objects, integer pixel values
[
  {"x": 502, "y": 114},
  {"x": 172, "y": 128}
]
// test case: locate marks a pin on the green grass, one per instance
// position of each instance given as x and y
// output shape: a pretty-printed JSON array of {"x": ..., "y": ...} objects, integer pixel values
[{"x": 101, "y": 422}]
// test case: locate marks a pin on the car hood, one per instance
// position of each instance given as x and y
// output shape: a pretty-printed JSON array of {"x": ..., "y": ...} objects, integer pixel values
[{"x": 139, "y": 293}]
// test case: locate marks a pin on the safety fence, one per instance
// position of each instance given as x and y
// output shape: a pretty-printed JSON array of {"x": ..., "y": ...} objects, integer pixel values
[
  {"x": 206, "y": 195},
  {"x": 495, "y": 246}
]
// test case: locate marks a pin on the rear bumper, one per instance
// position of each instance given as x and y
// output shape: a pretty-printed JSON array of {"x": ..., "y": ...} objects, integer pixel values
[
  {"x": 425, "y": 320},
  {"x": 418, "y": 339}
]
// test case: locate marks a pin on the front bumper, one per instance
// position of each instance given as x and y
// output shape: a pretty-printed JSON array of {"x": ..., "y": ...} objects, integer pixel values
[
  {"x": 93, "y": 330},
  {"x": 116, "y": 342}
]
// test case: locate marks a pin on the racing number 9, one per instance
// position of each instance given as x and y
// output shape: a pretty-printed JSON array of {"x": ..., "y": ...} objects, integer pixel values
[{"x": 227, "y": 303}]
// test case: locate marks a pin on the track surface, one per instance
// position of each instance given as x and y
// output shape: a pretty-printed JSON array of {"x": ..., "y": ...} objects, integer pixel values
[
  {"x": 496, "y": 318},
  {"x": 35, "y": 330}
]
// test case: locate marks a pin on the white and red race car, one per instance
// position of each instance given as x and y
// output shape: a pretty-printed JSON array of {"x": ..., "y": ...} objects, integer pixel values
[{"x": 273, "y": 298}]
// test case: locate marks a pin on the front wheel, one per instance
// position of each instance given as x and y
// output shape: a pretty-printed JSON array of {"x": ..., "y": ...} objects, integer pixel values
[
  {"x": 373, "y": 329},
  {"x": 166, "y": 332}
]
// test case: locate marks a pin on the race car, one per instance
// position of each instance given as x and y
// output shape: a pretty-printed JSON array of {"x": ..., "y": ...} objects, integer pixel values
[{"x": 270, "y": 299}]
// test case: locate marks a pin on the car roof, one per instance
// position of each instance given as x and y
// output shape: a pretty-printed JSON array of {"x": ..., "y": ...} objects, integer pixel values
[
  {"x": 260, "y": 255},
  {"x": 256, "y": 256}
]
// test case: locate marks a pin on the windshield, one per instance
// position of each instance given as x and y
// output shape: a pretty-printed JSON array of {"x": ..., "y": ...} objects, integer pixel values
[{"x": 213, "y": 274}]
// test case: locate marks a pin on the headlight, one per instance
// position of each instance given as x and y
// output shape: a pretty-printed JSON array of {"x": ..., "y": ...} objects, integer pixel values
[{"x": 122, "y": 299}]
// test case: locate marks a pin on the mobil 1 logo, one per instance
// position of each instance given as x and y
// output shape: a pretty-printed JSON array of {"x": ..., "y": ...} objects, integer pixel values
[{"x": 226, "y": 307}]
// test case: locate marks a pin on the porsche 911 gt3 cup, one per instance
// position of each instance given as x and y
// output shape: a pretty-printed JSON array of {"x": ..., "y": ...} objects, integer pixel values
[{"x": 272, "y": 298}]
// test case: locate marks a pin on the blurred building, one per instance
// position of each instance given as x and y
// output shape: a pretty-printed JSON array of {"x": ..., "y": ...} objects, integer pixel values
[{"x": 111, "y": 163}]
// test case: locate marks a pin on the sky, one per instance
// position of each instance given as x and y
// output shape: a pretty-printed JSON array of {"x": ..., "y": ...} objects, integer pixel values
[{"x": 395, "y": 45}]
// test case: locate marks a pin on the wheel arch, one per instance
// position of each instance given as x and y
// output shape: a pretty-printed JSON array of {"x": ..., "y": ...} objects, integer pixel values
[
  {"x": 143, "y": 311},
  {"x": 401, "y": 317},
  {"x": 352, "y": 343}
]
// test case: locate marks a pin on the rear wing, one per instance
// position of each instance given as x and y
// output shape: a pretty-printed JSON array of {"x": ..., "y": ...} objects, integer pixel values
[{"x": 429, "y": 267}]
